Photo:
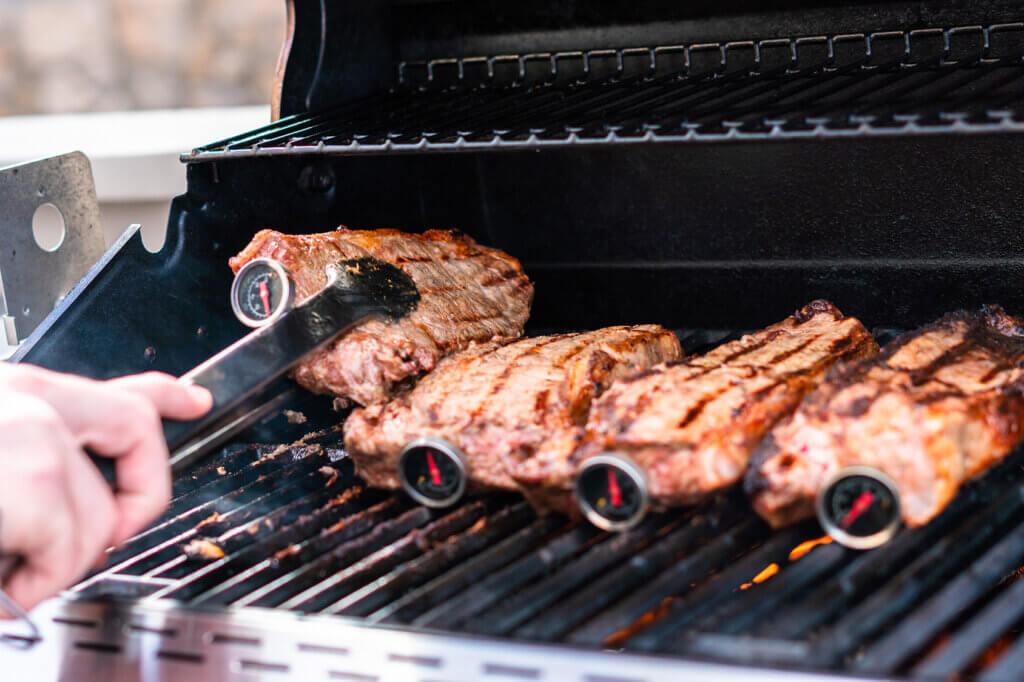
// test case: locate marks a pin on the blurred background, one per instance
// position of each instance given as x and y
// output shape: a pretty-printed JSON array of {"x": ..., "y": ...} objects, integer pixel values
[
  {"x": 64, "y": 56},
  {"x": 133, "y": 83}
]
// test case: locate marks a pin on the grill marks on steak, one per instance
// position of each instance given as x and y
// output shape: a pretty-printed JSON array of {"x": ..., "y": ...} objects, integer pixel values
[
  {"x": 692, "y": 426},
  {"x": 468, "y": 293},
  {"x": 499, "y": 403},
  {"x": 938, "y": 406}
]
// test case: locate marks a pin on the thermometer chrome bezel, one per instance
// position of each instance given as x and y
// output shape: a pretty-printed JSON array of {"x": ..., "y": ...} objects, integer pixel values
[
  {"x": 839, "y": 534},
  {"x": 287, "y": 299},
  {"x": 449, "y": 450},
  {"x": 629, "y": 468}
]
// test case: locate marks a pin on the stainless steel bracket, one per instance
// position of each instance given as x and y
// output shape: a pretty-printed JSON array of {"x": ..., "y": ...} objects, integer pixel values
[
  {"x": 8, "y": 330},
  {"x": 33, "y": 279}
]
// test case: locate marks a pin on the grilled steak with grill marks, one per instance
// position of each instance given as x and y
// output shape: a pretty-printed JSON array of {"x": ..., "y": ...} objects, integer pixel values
[
  {"x": 498, "y": 403},
  {"x": 468, "y": 293},
  {"x": 937, "y": 406},
  {"x": 691, "y": 426}
]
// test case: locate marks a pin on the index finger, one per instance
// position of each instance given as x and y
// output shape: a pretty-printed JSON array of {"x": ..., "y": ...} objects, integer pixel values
[{"x": 172, "y": 398}]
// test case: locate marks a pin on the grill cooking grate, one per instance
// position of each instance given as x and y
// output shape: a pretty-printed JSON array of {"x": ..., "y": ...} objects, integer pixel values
[
  {"x": 298, "y": 531},
  {"x": 919, "y": 81}
]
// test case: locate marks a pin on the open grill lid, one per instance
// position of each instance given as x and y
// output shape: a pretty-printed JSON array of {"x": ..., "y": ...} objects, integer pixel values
[{"x": 339, "y": 52}]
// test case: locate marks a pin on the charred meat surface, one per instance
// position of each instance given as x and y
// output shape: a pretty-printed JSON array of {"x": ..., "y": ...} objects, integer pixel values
[
  {"x": 468, "y": 293},
  {"x": 499, "y": 403},
  {"x": 938, "y": 406},
  {"x": 692, "y": 426}
]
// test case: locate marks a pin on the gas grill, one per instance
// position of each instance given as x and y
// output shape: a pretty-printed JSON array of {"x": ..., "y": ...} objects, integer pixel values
[{"x": 708, "y": 167}]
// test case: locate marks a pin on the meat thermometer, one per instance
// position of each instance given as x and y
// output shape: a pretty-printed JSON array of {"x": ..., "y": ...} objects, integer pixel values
[
  {"x": 611, "y": 491},
  {"x": 433, "y": 471},
  {"x": 859, "y": 507}
]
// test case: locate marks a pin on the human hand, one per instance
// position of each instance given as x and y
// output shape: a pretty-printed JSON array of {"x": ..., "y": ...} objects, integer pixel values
[{"x": 56, "y": 511}]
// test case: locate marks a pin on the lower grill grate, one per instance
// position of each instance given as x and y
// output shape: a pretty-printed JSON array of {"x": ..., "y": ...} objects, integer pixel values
[{"x": 293, "y": 528}]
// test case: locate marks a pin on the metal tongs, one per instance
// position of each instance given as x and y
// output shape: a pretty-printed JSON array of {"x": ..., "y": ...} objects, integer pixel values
[{"x": 240, "y": 375}]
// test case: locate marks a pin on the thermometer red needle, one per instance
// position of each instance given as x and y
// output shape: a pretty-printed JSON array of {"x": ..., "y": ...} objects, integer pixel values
[
  {"x": 613, "y": 489},
  {"x": 435, "y": 473},
  {"x": 265, "y": 296},
  {"x": 860, "y": 505}
]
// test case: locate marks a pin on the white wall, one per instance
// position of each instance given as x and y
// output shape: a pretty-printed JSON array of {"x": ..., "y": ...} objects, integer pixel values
[{"x": 134, "y": 156}]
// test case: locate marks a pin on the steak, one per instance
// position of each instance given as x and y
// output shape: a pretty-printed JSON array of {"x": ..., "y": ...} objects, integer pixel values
[
  {"x": 937, "y": 406},
  {"x": 691, "y": 426},
  {"x": 468, "y": 293},
  {"x": 499, "y": 403}
]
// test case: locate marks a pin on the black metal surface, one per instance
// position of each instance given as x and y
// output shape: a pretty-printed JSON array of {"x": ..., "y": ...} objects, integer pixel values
[
  {"x": 822, "y": 86},
  {"x": 293, "y": 528},
  {"x": 340, "y": 51}
]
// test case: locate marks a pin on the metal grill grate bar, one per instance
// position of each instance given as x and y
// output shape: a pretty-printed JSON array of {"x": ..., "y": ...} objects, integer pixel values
[
  {"x": 532, "y": 600},
  {"x": 406, "y": 609},
  {"x": 447, "y": 554},
  {"x": 454, "y": 612},
  {"x": 555, "y": 622},
  {"x": 920, "y": 578},
  {"x": 914, "y": 632},
  {"x": 355, "y": 538},
  {"x": 976, "y": 636},
  {"x": 341, "y": 583},
  {"x": 249, "y": 502},
  {"x": 198, "y": 583},
  {"x": 340, "y": 520},
  {"x": 1008, "y": 667},
  {"x": 283, "y": 507},
  {"x": 687, "y": 607},
  {"x": 693, "y": 568},
  {"x": 761, "y": 602}
]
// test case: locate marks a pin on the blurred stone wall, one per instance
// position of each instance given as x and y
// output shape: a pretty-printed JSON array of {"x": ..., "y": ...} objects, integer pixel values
[{"x": 101, "y": 55}]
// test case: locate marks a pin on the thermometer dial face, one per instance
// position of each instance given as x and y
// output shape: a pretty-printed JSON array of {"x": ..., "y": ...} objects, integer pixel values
[
  {"x": 611, "y": 492},
  {"x": 433, "y": 472},
  {"x": 262, "y": 290},
  {"x": 859, "y": 507}
]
